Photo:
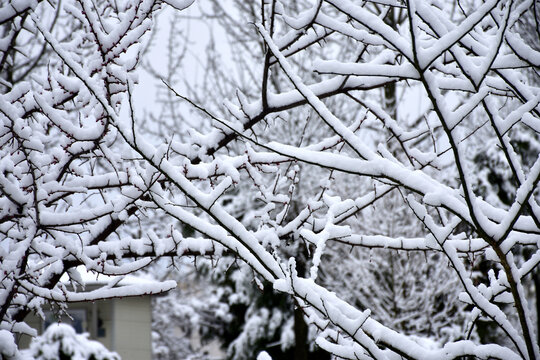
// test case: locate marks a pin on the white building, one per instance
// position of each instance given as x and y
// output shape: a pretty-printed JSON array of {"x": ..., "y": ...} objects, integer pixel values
[{"x": 123, "y": 325}]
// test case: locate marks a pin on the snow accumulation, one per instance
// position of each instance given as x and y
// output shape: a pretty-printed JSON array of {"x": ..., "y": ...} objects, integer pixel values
[
  {"x": 61, "y": 341},
  {"x": 263, "y": 355},
  {"x": 85, "y": 277}
]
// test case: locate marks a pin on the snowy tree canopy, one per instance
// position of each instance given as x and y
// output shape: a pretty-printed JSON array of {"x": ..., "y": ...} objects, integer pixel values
[
  {"x": 456, "y": 147},
  {"x": 68, "y": 182},
  {"x": 60, "y": 341}
]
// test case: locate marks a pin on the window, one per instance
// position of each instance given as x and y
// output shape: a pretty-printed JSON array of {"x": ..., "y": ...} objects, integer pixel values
[{"x": 76, "y": 318}]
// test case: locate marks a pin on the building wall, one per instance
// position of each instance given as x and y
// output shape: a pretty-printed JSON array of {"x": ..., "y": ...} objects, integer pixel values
[
  {"x": 122, "y": 325},
  {"x": 133, "y": 328},
  {"x": 34, "y": 322}
]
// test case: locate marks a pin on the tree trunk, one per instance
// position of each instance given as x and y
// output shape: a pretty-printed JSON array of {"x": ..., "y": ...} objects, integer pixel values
[
  {"x": 301, "y": 335},
  {"x": 536, "y": 277}
]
